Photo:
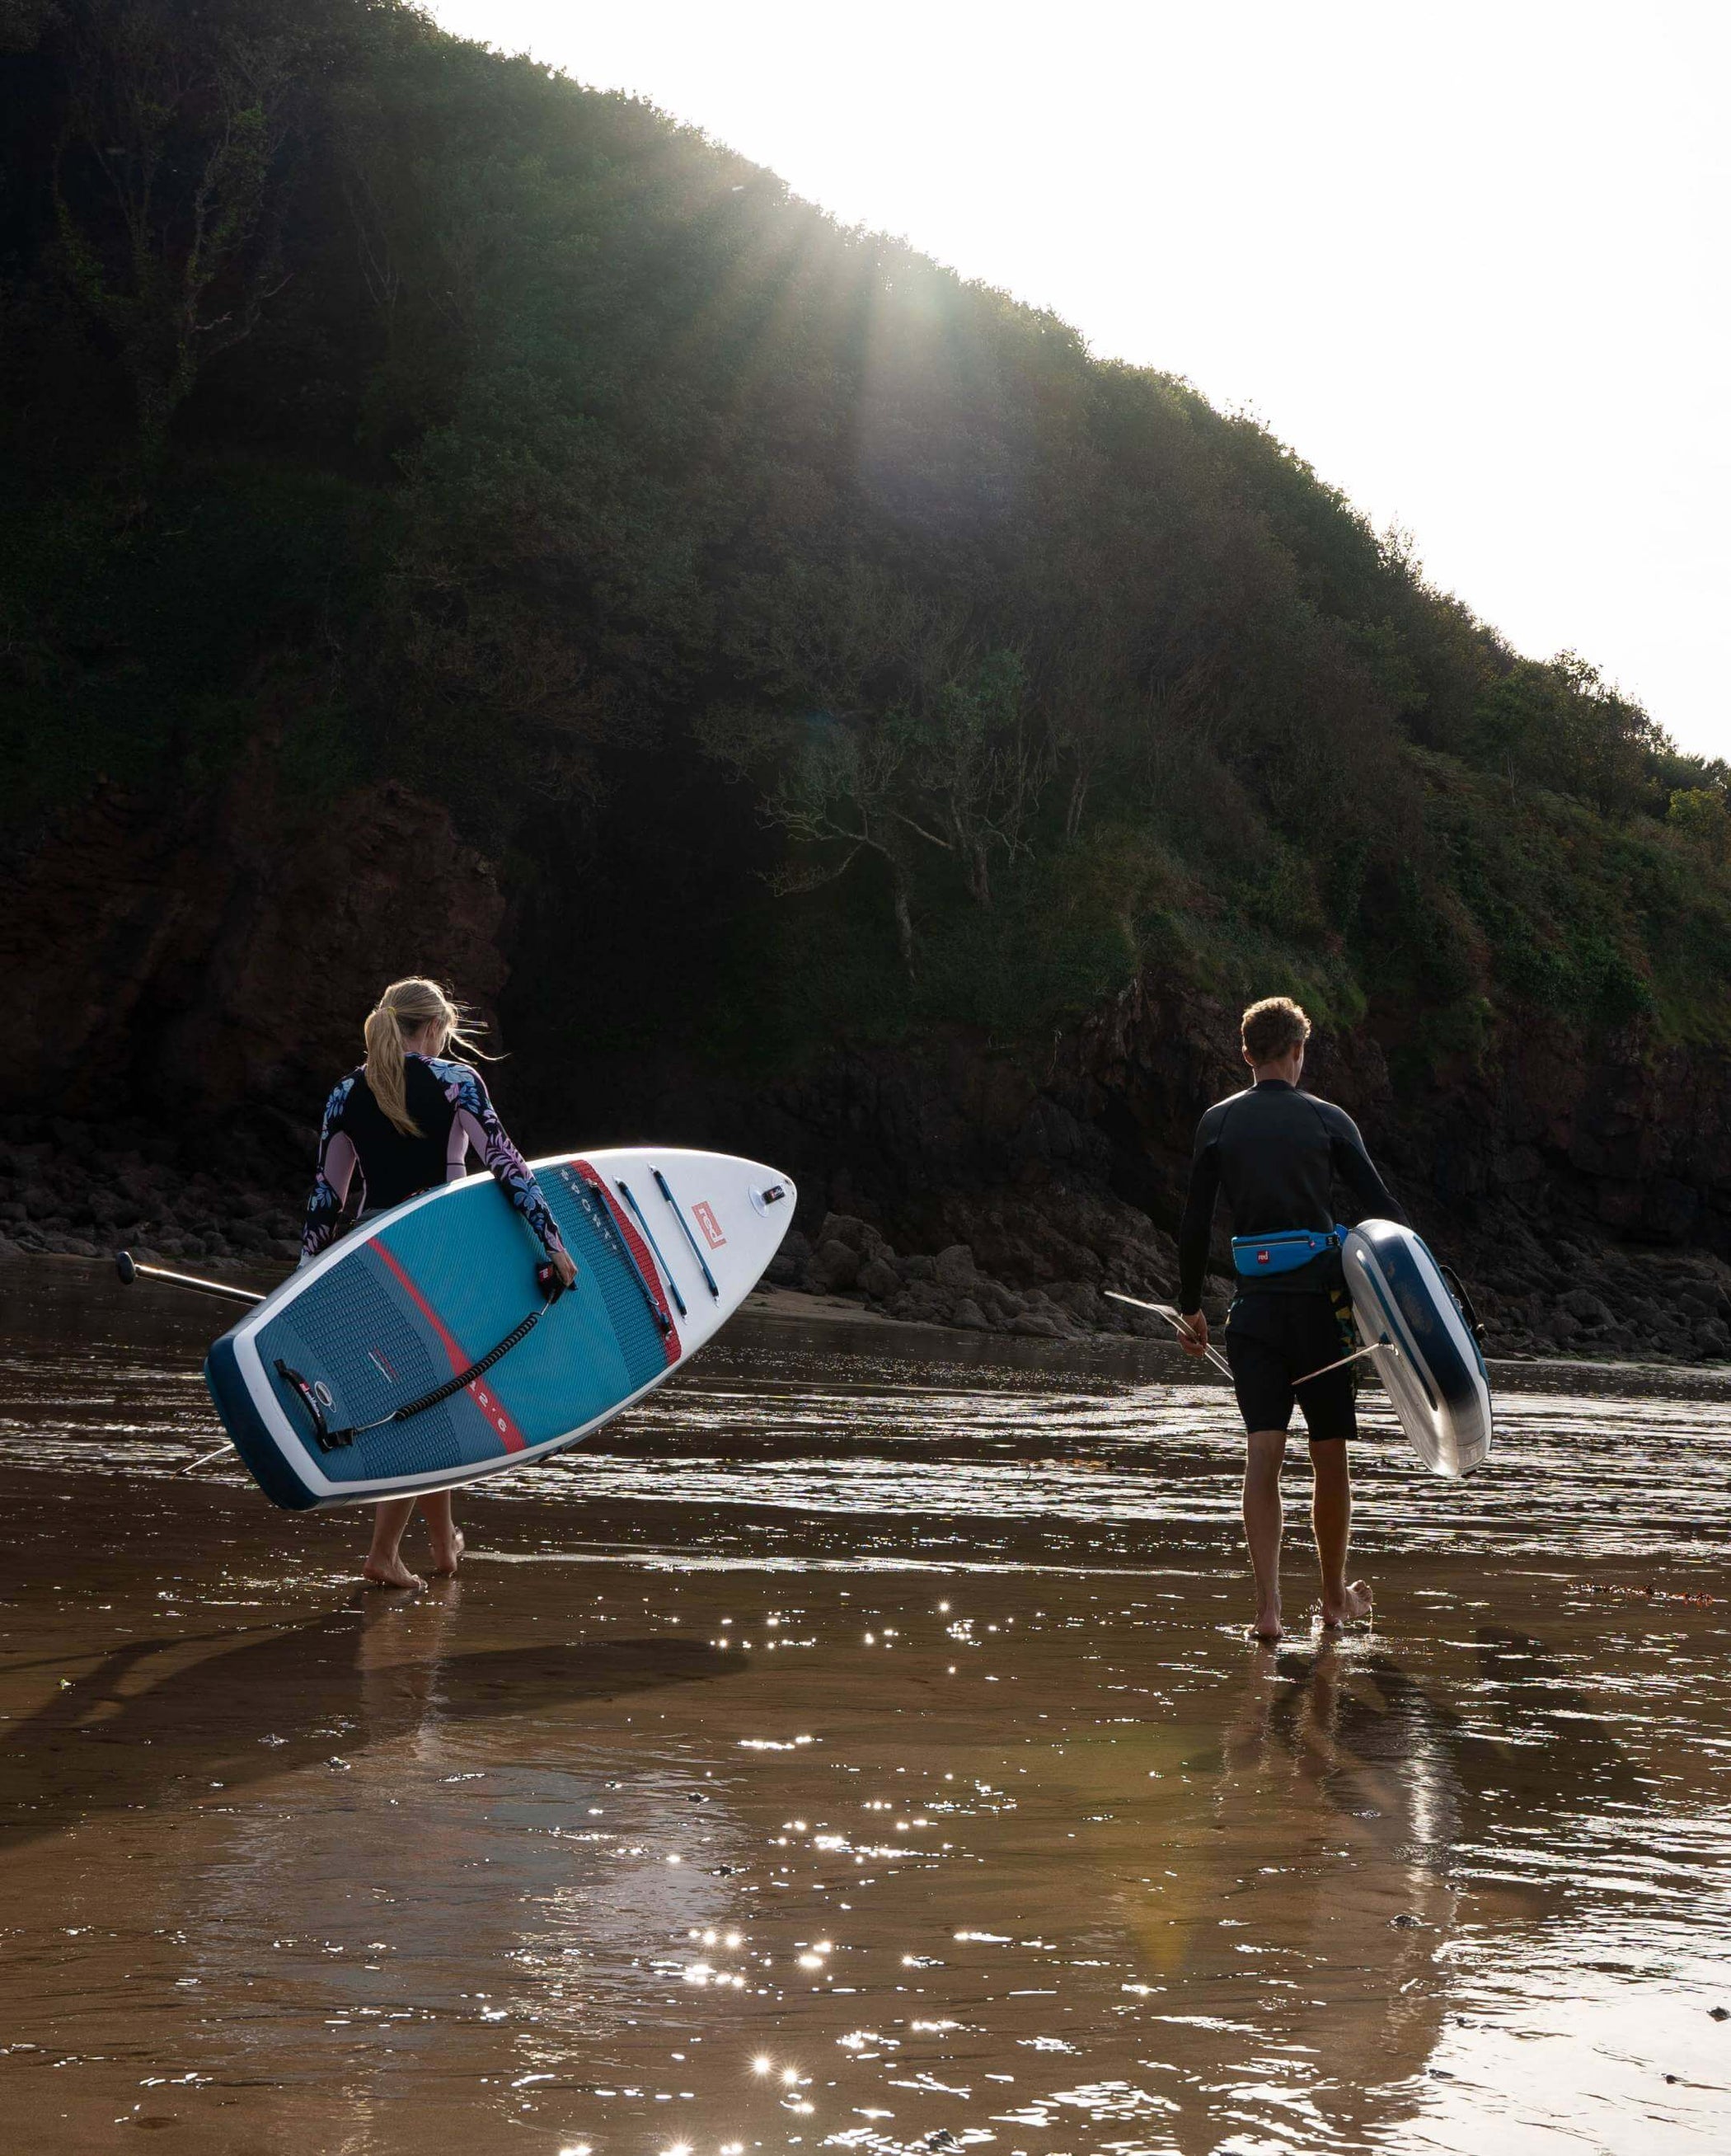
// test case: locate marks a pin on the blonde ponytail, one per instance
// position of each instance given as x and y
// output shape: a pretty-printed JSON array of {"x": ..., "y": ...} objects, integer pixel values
[{"x": 404, "y": 1010}]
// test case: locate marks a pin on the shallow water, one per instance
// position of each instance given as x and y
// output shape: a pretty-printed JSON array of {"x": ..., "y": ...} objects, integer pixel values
[{"x": 860, "y": 1750}]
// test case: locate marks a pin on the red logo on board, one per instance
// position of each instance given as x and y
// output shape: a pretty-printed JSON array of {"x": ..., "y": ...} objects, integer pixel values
[{"x": 711, "y": 1226}]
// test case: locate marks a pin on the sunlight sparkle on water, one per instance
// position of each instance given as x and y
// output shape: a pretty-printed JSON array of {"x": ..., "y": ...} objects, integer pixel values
[{"x": 1170, "y": 1890}]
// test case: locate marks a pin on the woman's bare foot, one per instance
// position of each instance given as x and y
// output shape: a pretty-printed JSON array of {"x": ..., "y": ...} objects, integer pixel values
[
  {"x": 1268, "y": 1627},
  {"x": 1352, "y": 1604},
  {"x": 390, "y": 1572},
  {"x": 447, "y": 1555}
]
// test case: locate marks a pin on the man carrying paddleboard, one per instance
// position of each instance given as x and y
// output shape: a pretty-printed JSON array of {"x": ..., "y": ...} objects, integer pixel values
[
  {"x": 1277, "y": 1153},
  {"x": 407, "y": 1120}
]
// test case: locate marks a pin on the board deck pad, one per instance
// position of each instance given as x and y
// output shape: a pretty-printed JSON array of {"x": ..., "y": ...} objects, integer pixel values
[{"x": 407, "y": 1301}]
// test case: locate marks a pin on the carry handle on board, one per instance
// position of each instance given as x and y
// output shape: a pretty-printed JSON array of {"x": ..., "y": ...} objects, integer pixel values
[
  {"x": 333, "y": 1440},
  {"x": 703, "y": 1263},
  {"x": 1452, "y": 1280}
]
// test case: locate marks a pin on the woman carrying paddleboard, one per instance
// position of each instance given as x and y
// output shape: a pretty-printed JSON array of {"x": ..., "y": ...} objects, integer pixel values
[{"x": 407, "y": 1120}]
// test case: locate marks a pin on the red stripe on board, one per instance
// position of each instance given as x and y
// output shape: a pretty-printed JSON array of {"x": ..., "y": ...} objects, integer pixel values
[
  {"x": 485, "y": 1397},
  {"x": 640, "y": 1250}
]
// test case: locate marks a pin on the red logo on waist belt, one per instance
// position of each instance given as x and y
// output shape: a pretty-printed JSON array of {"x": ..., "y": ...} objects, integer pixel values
[
  {"x": 705, "y": 1218},
  {"x": 1261, "y": 1257}
]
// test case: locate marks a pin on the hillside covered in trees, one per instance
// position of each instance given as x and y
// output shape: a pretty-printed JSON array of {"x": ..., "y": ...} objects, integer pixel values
[{"x": 819, "y": 651}]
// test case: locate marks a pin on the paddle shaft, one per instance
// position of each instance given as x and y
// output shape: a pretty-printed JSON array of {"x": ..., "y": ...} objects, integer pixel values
[
  {"x": 130, "y": 1270},
  {"x": 1358, "y": 1355},
  {"x": 1166, "y": 1309}
]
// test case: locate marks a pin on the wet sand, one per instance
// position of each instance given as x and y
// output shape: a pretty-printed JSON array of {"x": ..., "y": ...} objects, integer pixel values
[{"x": 859, "y": 1750}]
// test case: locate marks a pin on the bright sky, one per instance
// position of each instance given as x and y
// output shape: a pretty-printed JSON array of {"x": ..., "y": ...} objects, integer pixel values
[{"x": 1469, "y": 260}]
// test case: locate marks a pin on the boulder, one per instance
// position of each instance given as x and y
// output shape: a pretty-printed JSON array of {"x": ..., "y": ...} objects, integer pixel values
[
  {"x": 968, "y": 1316},
  {"x": 880, "y": 1279},
  {"x": 834, "y": 1267},
  {"x": 955, "y": 1267},
  {"x": 1084, "y": 1303},
  {"x": 860, "y": 1235},
  {"x": 1036, "y": 1325},
  {"x": 921, "y": 1303},
  {"x": 1587, "y": 1309}
]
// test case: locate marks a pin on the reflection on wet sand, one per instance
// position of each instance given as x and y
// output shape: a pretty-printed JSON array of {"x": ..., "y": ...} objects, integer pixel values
[
  {"x": 376, "y": 1673},
  {"x": 703, "y": 1812}
]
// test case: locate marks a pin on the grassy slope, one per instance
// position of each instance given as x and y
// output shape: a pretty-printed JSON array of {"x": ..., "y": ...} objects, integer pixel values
[{"x": 568, "y": 431}]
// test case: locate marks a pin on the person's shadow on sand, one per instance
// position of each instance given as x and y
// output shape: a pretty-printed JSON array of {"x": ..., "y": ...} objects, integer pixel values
[{"x": 120, "y": 1736}]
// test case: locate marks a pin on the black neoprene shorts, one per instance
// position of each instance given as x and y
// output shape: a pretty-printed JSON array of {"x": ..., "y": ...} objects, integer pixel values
[{"x": 1273, "y": 1340}]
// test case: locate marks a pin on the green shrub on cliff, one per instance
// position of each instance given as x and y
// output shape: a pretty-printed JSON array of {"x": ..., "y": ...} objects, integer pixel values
[{"x": 378, "y": 404}]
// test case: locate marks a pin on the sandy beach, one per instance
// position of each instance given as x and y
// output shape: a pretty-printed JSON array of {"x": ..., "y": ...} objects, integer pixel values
[{"x": 858, "y": 1748}]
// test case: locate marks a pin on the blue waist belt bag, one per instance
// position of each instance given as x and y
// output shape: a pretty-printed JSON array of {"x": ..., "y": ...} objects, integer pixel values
[{"x": 1256, "y": 1257}]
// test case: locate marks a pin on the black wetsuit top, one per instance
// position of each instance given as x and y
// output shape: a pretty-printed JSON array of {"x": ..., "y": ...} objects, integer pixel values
[
  {"x": 1277, "y": 1152},
  {"x": 449, "y": 1102}
]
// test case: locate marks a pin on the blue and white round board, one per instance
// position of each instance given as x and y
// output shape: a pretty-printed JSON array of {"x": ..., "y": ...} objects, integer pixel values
[
  {"x": 667, "y": 1244},
  {"x": 1435, "y": 1377}
]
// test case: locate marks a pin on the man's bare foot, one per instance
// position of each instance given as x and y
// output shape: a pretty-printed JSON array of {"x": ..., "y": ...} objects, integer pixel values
[
  {"x": 377, "y": 1573},
  {"x": 447, "y": 1556},
  {"x": 1352, "y": 1603},
  {"x": 1267, "y": 1627}
]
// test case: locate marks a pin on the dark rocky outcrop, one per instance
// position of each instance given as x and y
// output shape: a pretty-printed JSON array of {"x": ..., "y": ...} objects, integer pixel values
[
  {"x": 950, "y": 1288},
  {"x": 185, "y": 988},
  {"x": 184, "y": 966},
  {"x": 1583, "y": 1188}
]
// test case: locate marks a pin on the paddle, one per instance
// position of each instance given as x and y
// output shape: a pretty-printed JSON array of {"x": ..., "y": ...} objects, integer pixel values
[
  {"x": 1166, "y": 1309},
  {"x": 130, "y": 1270}
]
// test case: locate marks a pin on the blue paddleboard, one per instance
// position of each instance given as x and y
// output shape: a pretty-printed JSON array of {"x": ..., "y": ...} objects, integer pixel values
[{"x": 309, "y": 1385}]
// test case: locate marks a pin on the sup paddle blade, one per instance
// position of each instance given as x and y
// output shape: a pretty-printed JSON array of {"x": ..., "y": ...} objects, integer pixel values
[{"x": 1166, "y": 1309}]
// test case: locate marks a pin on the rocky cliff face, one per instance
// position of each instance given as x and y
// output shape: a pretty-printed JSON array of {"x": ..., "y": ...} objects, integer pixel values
[
  {"x": 179, "y": 964},
  {"x": 1582, "y": 1189},
  {"x": 202, "y": 971},
  {"x": 185, "y": 981}
]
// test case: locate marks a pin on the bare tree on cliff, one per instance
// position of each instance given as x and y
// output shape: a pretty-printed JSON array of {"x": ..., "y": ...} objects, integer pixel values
[
  {"x": 168, "y": 179},
  {"x": 829, "y": 784},
  {"x": 835, "y": 648},
  {"x": 838, "y": 791},
  {"x": 916, "y": 735},
  {"x": 977, "y": 765}
]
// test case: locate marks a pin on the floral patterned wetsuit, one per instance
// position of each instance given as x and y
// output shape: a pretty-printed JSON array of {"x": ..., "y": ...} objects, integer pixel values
[{"x": 449, "y": 1102}]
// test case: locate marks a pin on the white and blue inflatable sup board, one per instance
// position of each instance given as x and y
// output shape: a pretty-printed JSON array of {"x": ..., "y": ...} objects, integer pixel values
[
  {"x": 667, "y": 1244},
  {"x": 1437, "y": 1382}
]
